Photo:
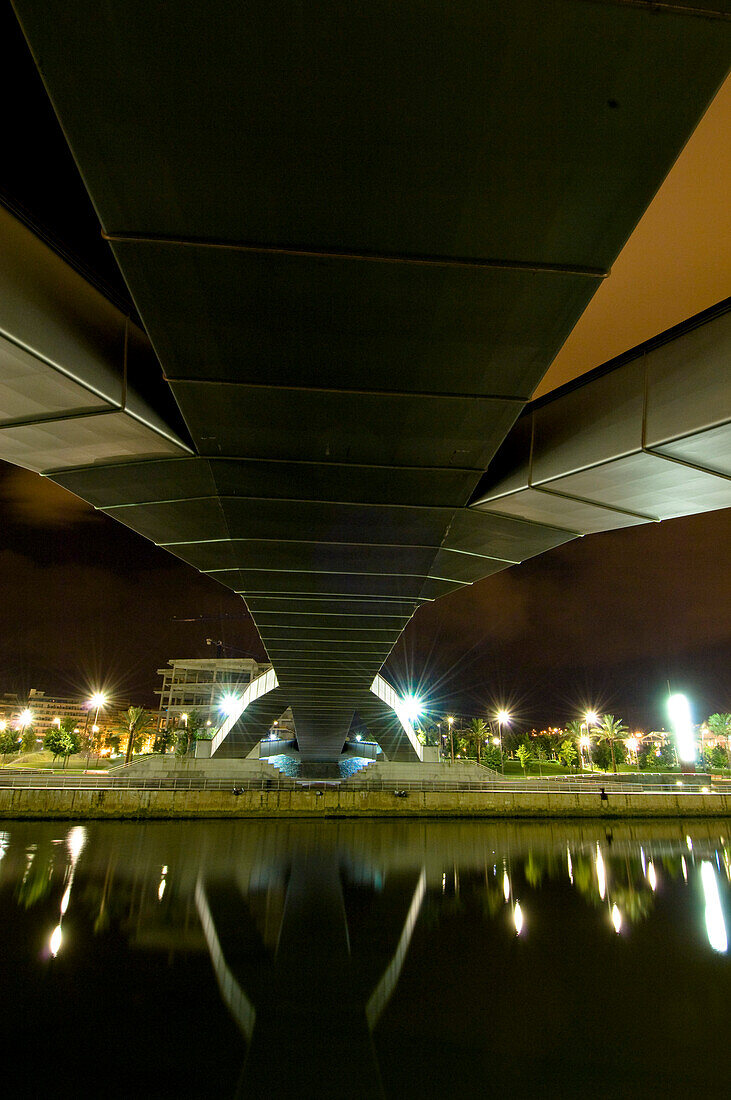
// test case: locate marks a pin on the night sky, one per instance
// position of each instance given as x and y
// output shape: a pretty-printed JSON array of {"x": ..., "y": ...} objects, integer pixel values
[{"x": 605, "y": 621}]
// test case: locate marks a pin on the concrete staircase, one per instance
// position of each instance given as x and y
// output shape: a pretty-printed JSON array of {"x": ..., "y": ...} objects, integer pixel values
[
  {"x": 397, "y": 773},
  {"x": 169, "y": 766}
]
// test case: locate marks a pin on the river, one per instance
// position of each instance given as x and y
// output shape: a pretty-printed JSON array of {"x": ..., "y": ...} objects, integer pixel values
[{"x": 366, "y": 958}]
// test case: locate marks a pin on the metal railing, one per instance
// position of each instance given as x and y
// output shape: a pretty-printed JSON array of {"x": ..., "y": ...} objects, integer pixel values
[{"x": 39, "y": 781}]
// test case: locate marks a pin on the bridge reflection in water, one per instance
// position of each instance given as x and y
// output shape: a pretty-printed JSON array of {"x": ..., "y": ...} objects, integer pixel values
[{"x": 310, "y": 927}]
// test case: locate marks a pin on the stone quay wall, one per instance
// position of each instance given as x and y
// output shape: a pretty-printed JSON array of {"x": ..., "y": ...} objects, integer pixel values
[{"x": 137, "y": 804}]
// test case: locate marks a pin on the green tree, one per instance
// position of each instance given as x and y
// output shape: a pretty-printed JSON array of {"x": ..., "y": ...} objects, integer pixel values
[
  {"x": 525, "y": 755},
  {"x": 491, "y": 757},
  {"x": 609, "y": 730},
  {"x": 568, "y": 754},
  {"x": 191, "y": 731},
  {"x": 8, "y": 743},
  {"x": 62, "y": 741},
  {"x": 720, "y": 726},
  {"x": 28, "y": 740},
  {"x": 52, "y": 742},
  {"x": 70, "y": 743},
  {"x": 165, "y": 739},
  {"x": 715, "y": 757},
  {"x": 135, "y": 722}
]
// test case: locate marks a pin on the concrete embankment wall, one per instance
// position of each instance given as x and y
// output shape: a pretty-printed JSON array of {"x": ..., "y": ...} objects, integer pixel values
[{"x": 138, "y": 804}]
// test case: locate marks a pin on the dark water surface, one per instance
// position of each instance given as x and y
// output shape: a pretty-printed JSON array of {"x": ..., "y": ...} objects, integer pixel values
[{"x": 349, "y": 959}]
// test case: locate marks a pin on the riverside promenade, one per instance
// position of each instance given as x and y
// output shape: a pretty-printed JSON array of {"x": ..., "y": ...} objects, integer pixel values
[{"x": 135, "y": 798}]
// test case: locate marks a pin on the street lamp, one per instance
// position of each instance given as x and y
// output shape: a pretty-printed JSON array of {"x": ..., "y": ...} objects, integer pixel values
[
  {"x": 450, "y": 722},
  {"x": 25, "y": 719},
  {"x": 97, "y": 700},
  {"x": 591, "y": 718},
  {"x": 503, "y": 717}
]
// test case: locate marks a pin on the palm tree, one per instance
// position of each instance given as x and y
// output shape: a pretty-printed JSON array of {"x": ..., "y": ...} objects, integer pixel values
[
  {"x": 135, "y": 722},
  {"x": 477, "y": 732},
  {"x": 611, "y": 729},
  {"x": 575, "y": 729}
]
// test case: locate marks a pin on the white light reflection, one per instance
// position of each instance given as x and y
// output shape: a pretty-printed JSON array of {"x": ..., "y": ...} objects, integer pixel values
[
  {"x": 518, "y": 918},
  {"x": 601, "y": 876},
  {"x": 715, "y": 923},
  {"x": 616, "y": 919},
  {"x": 506, "y": 886},
  {"x": 652, "y": 876},
  {"x": 75, "y": 842},
  {"x": 570, "y": 866},
  {"x": 684, "y": 867},
  {"x": 689, "y": 843},
  {"x": 56, "y": 937},
  {"x": 161, "y": 889},
  {"x": 65, "y": 899},
  {"x": 643, "y": 861}
]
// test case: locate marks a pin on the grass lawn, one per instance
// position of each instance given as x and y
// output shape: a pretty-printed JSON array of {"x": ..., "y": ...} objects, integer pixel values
[{"x": 43, "y": 761}]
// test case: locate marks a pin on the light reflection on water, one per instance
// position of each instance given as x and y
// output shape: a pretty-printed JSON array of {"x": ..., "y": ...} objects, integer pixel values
[{"x": 370, "y": 958}]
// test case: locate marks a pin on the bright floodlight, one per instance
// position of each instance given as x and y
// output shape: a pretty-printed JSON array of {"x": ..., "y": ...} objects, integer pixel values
[
  {"x": 584, "y": 742},
  {"x": 591, "y": 717},
  {"x": 503, "y": 716},
  {"x": 98, "y": 699},
  {"x": 412, "y": 707},
  {"x": 230, "y": 704},
  {"x": 680, "y": 719},
  {"x": 25, "y": 718}
]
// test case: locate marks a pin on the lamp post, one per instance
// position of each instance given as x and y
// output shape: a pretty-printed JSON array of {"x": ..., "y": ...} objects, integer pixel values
[
  {"x": 25, "y": 719},
  {"x": 502, "y": 716},
  {"x": 97, "y": 700},
  {"x": 450, "y": 722},
  {"x": 590, "y": 719}
]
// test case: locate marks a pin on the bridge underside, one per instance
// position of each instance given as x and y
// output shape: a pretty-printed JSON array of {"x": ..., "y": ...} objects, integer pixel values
[{"x": 356, "y": 240}]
